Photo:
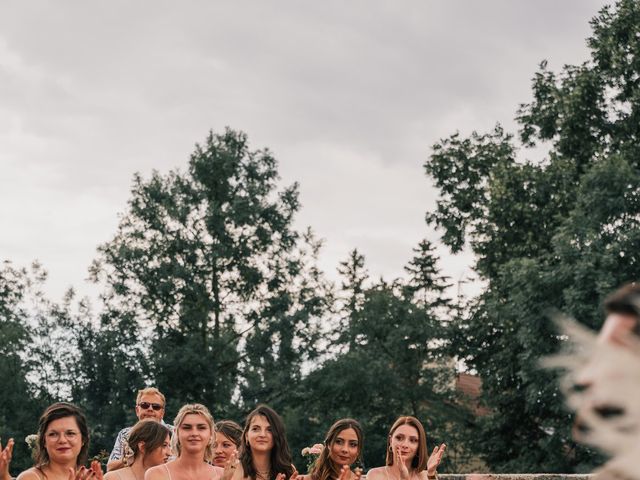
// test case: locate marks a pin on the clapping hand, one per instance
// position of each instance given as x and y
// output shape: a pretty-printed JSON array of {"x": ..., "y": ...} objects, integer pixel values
[
  {"x": 84, "y": 473},
  {"x": 5, "y": 460},
  {"x": 434, "y": 459},
  {"x": 399, "y": 461},
  {"x": 345, "y": 473},
  {"x": 230, "y": 467}
]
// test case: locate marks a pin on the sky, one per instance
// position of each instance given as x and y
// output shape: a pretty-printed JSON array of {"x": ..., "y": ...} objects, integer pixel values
[{"x": 348, "y": 95}]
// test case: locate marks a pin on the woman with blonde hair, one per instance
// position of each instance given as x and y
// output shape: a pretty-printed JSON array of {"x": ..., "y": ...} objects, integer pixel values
[
  {"x": 407, "y": 454},
  {"x": 148, "y": 445},
  {"x": 192, "y": 443}
]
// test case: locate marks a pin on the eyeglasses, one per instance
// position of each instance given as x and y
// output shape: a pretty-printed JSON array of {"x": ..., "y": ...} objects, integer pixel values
[
  {"x": 55, "y": 435},
  {"x": 147, "y": 405}
]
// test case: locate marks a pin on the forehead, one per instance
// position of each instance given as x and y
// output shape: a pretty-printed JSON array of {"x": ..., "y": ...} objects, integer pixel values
[
  {"x": 194, "y": 419},
  {"x": 348, "y": 434},
  {"x": 407, "y": 430},
  {"x": 222, "y": 438},
  {"x": 64, "y": 423},
  {"x": 259, "y": 420},
  {"x": 151, "y": 398}
]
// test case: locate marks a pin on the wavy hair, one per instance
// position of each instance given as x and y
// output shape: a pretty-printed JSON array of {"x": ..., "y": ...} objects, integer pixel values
[
  {"x": 196, "y": 409},
  {"x": 325, "y": 468},
  {"x": 280, "y": 457}
]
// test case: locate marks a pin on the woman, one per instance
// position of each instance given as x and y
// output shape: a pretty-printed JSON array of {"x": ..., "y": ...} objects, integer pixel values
[
  {"x": 407, "y": 454},
  {"x": 226, "y": 443},
  {"x": 342, "y": 448},
  {"x": 264, "y": 454},
  {"x": 62, "y": 446},
  {"x": 149, "y": 444},
  {"x": 192, "y": 444}
]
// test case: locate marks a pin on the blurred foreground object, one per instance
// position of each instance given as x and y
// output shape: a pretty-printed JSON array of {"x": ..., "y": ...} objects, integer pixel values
[{"x": 602, "y": 382}]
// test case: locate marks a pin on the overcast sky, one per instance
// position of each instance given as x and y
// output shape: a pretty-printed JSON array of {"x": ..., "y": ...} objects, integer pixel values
[{"x": 348, "y": 95}]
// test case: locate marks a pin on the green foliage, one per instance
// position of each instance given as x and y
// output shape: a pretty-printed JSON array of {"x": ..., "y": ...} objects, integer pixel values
[{"x": 558, "y": 234}]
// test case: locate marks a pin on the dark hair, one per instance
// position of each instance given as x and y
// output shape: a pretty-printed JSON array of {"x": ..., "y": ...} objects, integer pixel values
[
  {"x": 280, "y": 454},
  {"x": 325, "y": 468},
  {"x": 55, "y": 412},
  {"x": 231, "y": 430},
  {"x": 625, "y": 301},
  {"x": 419, "y": 461},
  {"x": 151, "y": 433}
]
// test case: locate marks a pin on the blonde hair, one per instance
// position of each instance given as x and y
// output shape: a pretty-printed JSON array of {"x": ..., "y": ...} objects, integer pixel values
[
  {"x": 150, "y": 391},
  {"x": 196, "y": 409}
]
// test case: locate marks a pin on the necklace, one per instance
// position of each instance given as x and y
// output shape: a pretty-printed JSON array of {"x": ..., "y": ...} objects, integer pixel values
[{"x": 264, "y": 475}]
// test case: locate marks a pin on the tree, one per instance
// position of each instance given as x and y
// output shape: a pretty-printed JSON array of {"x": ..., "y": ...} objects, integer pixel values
[
  {"x": 208, "y": 262},
  {"x": 558, "y": 234}
]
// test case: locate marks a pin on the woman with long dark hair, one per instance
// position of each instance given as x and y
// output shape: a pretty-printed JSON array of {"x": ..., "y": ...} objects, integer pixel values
[
  {"x": 407, "y": 454},
  {"x": 264, "y": 453},
  {"x": 342, "y": 449}
]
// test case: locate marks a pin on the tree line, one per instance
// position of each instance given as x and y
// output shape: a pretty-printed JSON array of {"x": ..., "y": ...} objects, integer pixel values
[{"x": 209, "y": 292}]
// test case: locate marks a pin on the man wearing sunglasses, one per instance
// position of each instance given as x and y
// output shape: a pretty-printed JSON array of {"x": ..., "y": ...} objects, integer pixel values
[{"x": 149, "y": 405}]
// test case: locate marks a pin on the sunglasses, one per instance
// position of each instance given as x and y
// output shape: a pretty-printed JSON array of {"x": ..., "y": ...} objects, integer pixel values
[{"x": 147, "y": 405}]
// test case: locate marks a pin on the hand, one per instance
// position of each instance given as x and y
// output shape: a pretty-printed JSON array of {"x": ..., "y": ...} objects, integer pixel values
[
  {"x": 357, "y": 473},
  {"x": 96, "y": 468},
  {"x": 399, "y": 461},
  {"x": 435, "y": 459},
  {"x": 5, "y": 460},
  {"x": 294, "y": 475},
  {"x": 230, "y": 467},
  {"x": 83, "y": 473}
]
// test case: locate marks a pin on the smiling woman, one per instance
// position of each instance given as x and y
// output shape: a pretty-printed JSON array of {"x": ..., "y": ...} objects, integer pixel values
[
  {"x": 343, "y": 447},
  {"x": 192, "y": 443},
  {"x": 62, "y": 446},
  {"x": 265, "y": 452}
]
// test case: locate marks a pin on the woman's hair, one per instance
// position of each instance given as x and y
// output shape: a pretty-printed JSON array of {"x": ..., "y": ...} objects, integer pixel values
[
  {"x": 150, "y": 432},
  {"x": 280, "y": 454},
  {"x": 196, "y": 409},
  {"x": 419, "y": 461},
  {"x": 55, "y": 412},
  {"x": 325, "y": 468},
  {"x": 231, "y": 430}
]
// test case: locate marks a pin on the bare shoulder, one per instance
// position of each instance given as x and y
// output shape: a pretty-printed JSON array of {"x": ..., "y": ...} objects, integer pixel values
[
  {"x": 159, "y": 472},
  {"x": 377, "y": 473},
  {"x": 31, "y": 474},
  {"x": 113, "y": 475}
]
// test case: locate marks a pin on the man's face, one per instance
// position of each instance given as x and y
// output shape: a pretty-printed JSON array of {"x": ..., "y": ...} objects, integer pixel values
[
  {"x": 147, "y": 407},
  {"x": 617, "y": 329}
]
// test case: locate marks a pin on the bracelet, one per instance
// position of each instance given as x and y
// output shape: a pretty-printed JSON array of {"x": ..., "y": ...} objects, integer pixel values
[{"x": 432, "y": 477}]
